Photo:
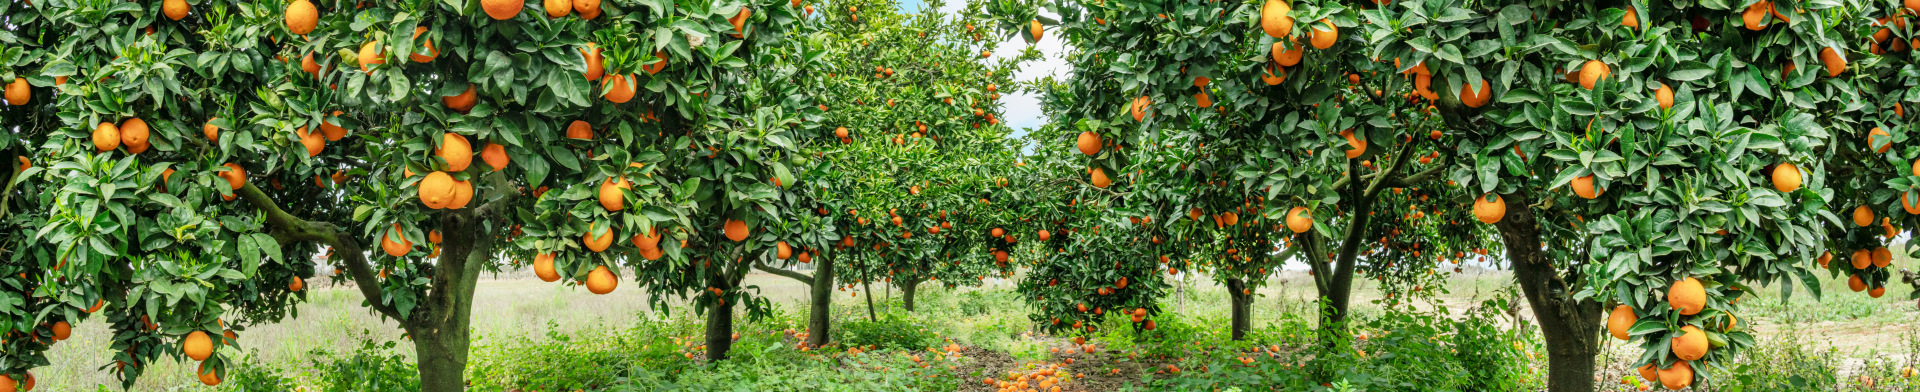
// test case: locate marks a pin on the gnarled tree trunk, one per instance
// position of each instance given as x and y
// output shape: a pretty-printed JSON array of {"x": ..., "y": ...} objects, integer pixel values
[
  {"x": 819, "y": 318},
  {"x": 1242, "y": 308},
  {"x": 1571, "y": 327}
]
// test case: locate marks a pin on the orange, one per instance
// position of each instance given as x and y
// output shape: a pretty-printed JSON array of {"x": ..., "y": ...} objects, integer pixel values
[
  {"x": 1786, "y": 177},
  {"x": 1034, "y": 28},
  {"x": 782, "y": 250},
  {"x": 456, "y": 151},
  {"x": 1688, "y": 296},
  {"x": 1877, "y": 292},
  {"x": 198, "y": 346},
  {"x": 1664, "y": 95},
  {"x": 461, "y": 102},
  {"x": 436, "y": 190},
  {"x": 739, "y": 21},
  {"x": 619, "y": 88},
  {"x": 543, "y": 267},
  {"x": 1650, "y": 372},
  {"x": 28, "y": 164},
  {"x": 1474, "y": 99},
  {"x": 585, "y": 7},
  {"x": 208, "y": 376},
  {"x": 370, "y": 55},
  {"x": 1862, "y": 216},
  {"x": 431, "y": 52},
  {"x": 1878, "y": 140},
  {"x": 495, "y": 155},
  {"x": 1300, "y": 219},
  {"x": 309, "y": 66},
  {"x": 1592, "y": 72},
  {"x": 611, "y": 196},
  {"x": 174, "y": 9},
  {"x": 296, "y": 284},
  {"x": 1825, "y": 257},
  {"x": 19, "y": 92},
  {"x": 1274, "y": 19},
  {"x": 1099, "y": 178},
  {"x": 333, "y": 132},
  {"x": 503, "y": 9},
  {"x": 1691, "y": 345},
  {"x": 1835, "y": 63},
  {"x": 736, "y": 230},
  {"x": 314, "y": 142},
  {"x": 601, "y": 281},
  {"x": 133, "y": 134},
  {"x": 1089, "y": 143},
  {"x": 1288, "y": 57},
  {"x": 1856, "y": 284},
  {"x": 1620, "y": 321},
  {"x": 462, "y": 194},
  {"x": 433, "y": 236},
  {"x": 302, "y": 17},
  {"x": 1862, "y": 258},
  {"x": 656, "y": 66},
  {"x": 597, "y": 244},
  {"x": 1882, "y": 257},
  {"x": 1583, "y": 186},
  {"x": 1139, "y": 108},
  {"x": 1322, "y": 38},
  {"x": 1631, "y": 20},
  {"x": 1680, "y": 376},
  {"x": 580, "y": 130},
  {"x": 595, "y": 62},
  {"x": 212, "y": 132},
  {"x": 61, "y": 330},
  {"x": 1489, "y": 208},
  {"x": 236, "y": 176},
  {"x": 1273, "y": 74},
  {"x": 1755, "y": 17},
  {"x": 106, "y": 137},
  {"x": 395, "y": 249},
  {"x": 558, "y": 8},
  {"x": 1357, "y": 147}
]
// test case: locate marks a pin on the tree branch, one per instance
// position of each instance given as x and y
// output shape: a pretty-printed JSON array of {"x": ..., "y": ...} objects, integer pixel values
[
  {"x": 290, "y": 228},
  {"x": 803, "y": 278}
]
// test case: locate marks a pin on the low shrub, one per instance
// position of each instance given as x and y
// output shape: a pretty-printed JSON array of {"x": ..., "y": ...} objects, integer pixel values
[
  {"x": 890, "y": 331},
  {"x": 371, "y": 367}
]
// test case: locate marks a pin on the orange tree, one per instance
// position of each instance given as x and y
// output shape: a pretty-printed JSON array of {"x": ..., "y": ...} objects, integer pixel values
[
  {"x": 1646, "y": 166},
  {"x": 1231, "y": 116},
  {"x": 385, "y": 107}
]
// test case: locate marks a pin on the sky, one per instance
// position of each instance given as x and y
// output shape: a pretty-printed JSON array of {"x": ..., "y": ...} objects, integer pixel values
[{"x": 1022, "y": 110}]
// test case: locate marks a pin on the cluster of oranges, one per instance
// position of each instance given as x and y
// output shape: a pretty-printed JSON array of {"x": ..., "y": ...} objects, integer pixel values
[{"x": 1040, "y": 377}]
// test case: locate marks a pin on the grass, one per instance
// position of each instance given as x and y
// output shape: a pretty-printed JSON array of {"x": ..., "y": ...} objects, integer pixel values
[{"x": 535, "y": 333}]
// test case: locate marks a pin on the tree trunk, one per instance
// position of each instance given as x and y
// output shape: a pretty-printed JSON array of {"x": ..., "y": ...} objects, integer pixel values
[
  {"x": 1571, "y": 327},
  {"x": 866, "y": 285},
  {"x": 720, "y": 322},
  {"x": 907, "y": 289},
  {"x": 1242, "y": 308},
  {"x": 442, "y": 356},
  {"x": 819, "y": 317}
]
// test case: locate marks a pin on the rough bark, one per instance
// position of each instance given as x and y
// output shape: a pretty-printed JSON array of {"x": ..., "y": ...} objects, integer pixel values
[
  {"x": 819, "y": 320},
  {"x": 720, "y": 321},
  {"x": 907, "y": 289},
  {"x": 1571, "y": 327},
  {"x": 1242, "y": 308}
]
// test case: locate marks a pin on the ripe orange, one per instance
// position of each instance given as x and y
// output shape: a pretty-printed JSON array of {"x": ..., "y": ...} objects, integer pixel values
[
  {"x": 1300, "y": 219},
  {"x": 1650, "y": 372},
  {"x": 174, "y": 9},
  {"x": 840, "y": 132},
  {"x": 1357, "y": 147},
  {"x": 236, "y": 176},
  {"x": 333, "y": 132},
  {"x": 314, "y": 142},
  {"x": 1877, "y": 292},
  {"x": 208, "y": 376},
  {"x": 19, "y": 92},
  {"x": 462, "y": 194},
  {"x": 1631, "y": 20},
  {"x": 1835, "y": 63},
  {"x": 580, "y": 130},
  {"x": 1755, "y": 17},
  {"x": 656, "y": 66},
  {"x": 1034, "y": 28},
  {"x": 495, "y": 155},
  {"x": 585, "y": 7},
  {"x": 595, "y": 62},
  {"x": 456, "y": 151},
  {"x": 133, "y": 134},
  {"x": 431, "y": 52},
  {"x": 1688, "y": 296},
  {"x": 1856, "y": 284},
  {"x": 1089, "y": 143},
  {"x": 395, "y": 248},
  {"x": 1099, "y": 178},
  {"x": 543, "y": 267},
  {"x": 558, "y": 8},
  {"x": 611, "y": 196},
  {"x": 597, "y": 244},
  {"x": 503, "y": 9},
  {"x": 28, "y": 164},
  {"x": 461, "y": 102},
  {"x": 1593, "y": 72},
  {"x": 1691, "y": 345},
  {"x": 106, "y": 137},
  {"x": 1273, "y": 74},
  {"x": 619, "y": 88},
  {"x": 1664, "y": 95},
  {"x": 1862, "y": 216},
  {"x": 1862, "y": 258},
  {"x": 436, "y": 190},
  {"x": 783, "y": 251},
  {"x": 1474, "y": 99},
  {"x": 1322, "y": 38},
  {"x": 736, "y": 230},
  {"x": 296, "y": 284},
  {"x": 1274, "y": 18},
  {"x": 1786, "y": 177},
  {"x": 370, "y": 55},
  {"x": 1139, "y": 108},
  {"x": 739, "y": 21},
  {"x": 1882, "y": 257},
  {"x": 1288, "y": 57},
  {"x": 1825, "y": 257},
  {"x": 1878, "y": 140},
  {"x": 601, "y": 281},
  {"x": 1620, "y": 321},
  {"x": 1678, "y": 377},
  {"x": 197, "y": 346},
  {"x": 1489, "y": 208},
  {"x": 1583, "y": 186},
  {"x": 301, "y": 17}
]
